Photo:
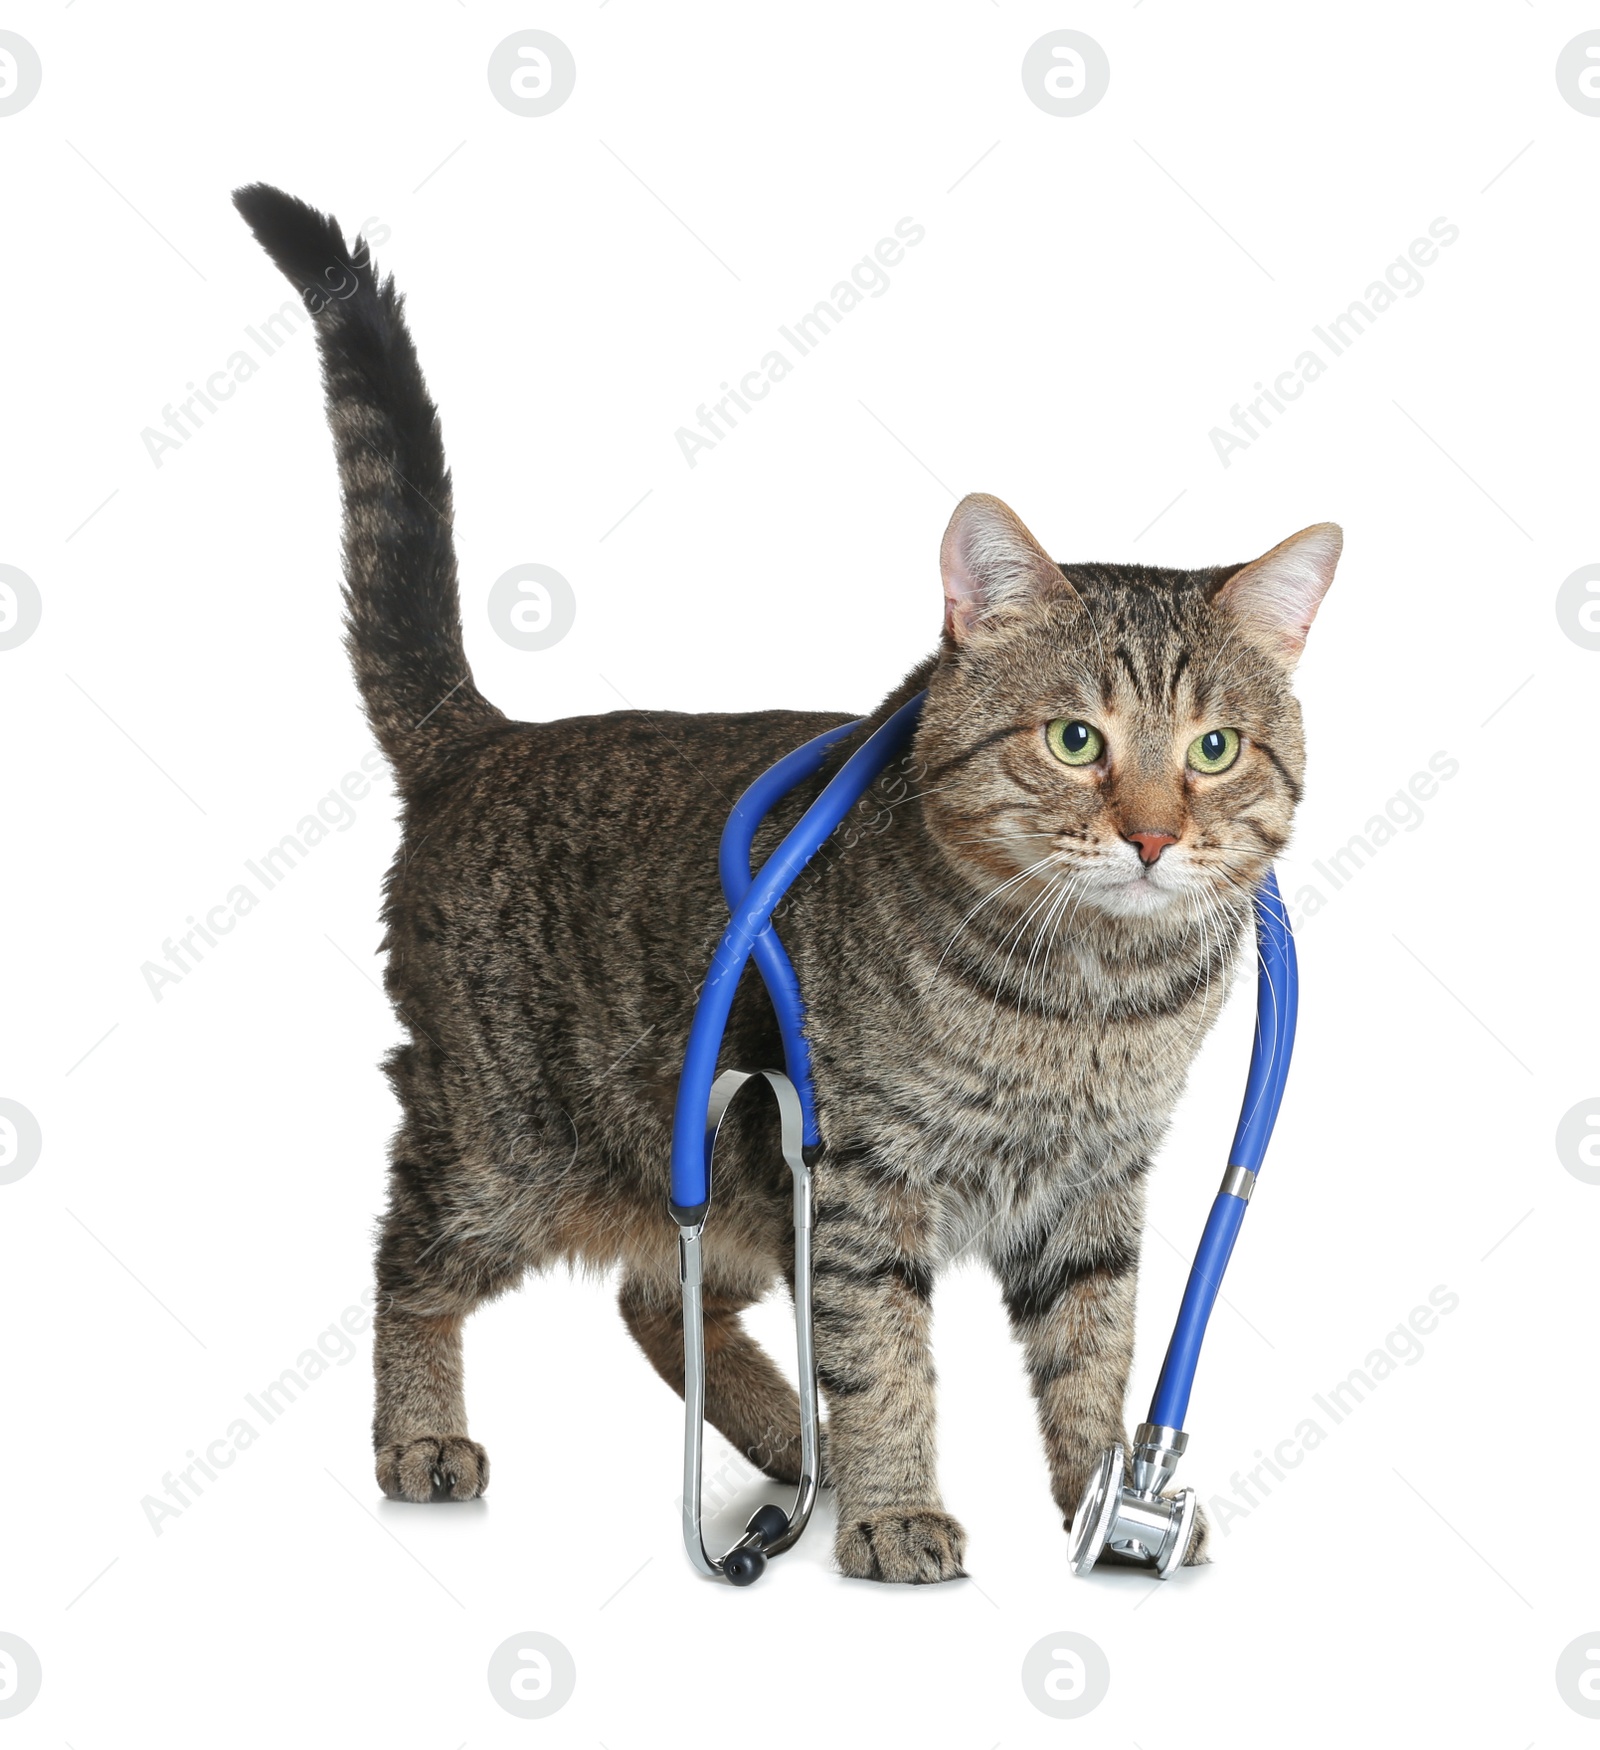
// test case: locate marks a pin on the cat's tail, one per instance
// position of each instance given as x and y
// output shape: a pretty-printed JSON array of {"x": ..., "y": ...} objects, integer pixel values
[{"x": 403, "y": 610}]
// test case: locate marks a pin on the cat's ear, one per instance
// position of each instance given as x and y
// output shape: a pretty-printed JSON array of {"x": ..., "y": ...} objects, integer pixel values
[
  {"x": 1275, "y": 598},
  {"x": 990, "y": 563}
]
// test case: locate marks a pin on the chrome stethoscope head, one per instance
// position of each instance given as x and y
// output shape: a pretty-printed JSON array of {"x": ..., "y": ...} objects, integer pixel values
[{"x": 1135, "y": 1524}]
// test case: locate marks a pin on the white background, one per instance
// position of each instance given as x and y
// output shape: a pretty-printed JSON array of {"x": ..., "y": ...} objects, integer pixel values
[{"x": 1090, "y": 300}]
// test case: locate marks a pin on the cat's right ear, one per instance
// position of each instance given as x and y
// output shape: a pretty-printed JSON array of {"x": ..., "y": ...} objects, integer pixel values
[
  {"x": 1275, "y": 598},
  {"x": 990, "y": 563}
]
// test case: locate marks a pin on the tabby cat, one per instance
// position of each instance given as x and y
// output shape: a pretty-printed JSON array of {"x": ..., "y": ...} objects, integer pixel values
[{"x": 1009, "y": 963}]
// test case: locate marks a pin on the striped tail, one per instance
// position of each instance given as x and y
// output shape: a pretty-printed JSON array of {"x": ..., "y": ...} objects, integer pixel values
[{"x": 403, "y": 612}]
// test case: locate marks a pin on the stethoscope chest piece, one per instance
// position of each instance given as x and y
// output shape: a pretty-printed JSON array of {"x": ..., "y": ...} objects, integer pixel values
[{"x": 1126, "y": 1525}]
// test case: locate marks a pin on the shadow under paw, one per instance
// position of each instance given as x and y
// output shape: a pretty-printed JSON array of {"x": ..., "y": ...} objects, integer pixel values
[
  {"x": 909, "y": 1546},
  {"x": 446, "y": 1467}
]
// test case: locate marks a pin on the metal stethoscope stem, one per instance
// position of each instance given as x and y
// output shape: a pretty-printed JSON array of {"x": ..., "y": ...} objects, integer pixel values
[{"x": 770, "y": 1530}]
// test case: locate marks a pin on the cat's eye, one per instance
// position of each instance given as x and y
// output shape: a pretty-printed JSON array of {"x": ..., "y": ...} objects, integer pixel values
[
  {"x": 1214, "y": 751},
  {"x": 1074, "y": 742}
]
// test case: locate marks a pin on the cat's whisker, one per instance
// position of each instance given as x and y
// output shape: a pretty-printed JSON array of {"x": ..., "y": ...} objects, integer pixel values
[
  {"x": 993, "y": 894},
  {"x": 1059, "y": 924},
  {"x": 917, "y": 796},
  {"x": 1016, "y": 930},
  {"x": 1044, "y": 935},
  {"x": 1066, "y": 923},
  {"x": 1206, "y": 917},
  {"x": 999, "y": 838},
  {"x": 1073, "y": 887},
  {"x": 1005, "y": 965}
]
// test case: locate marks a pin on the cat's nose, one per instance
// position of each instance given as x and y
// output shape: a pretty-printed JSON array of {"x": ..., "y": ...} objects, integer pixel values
[{"x": 1151, "y": 844}]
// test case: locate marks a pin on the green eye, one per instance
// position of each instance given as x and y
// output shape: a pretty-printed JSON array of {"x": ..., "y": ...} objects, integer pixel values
[
  {"x": 1214, "y": 751},
  {"x": 1075, "y": 743}
]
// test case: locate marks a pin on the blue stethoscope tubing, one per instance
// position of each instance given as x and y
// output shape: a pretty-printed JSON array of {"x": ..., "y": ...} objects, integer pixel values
[
  {"x": 704, "y": 1097},
  {"x": 1277, "y": 1004},
  {"x": 752, "y": 902},
  {"x": 752, "y": 897}
]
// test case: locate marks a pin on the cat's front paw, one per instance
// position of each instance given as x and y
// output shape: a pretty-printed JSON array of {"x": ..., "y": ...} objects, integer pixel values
[
  {"x": 447, "y": 1467},
  {"x": 912, "y": 1546}
]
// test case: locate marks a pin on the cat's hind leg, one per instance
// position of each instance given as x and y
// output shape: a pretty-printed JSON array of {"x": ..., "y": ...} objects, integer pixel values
[
  {"x": 747, "y": 1399},
  {"x": 429, "y": 1280}
]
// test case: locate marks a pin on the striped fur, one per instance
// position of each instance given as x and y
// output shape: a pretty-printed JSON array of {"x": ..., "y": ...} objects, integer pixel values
[{"x": 1003, "y": 1004}]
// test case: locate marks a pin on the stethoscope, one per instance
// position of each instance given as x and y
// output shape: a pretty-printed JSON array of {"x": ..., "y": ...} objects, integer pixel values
[{"x": 1125, "y": 1511}]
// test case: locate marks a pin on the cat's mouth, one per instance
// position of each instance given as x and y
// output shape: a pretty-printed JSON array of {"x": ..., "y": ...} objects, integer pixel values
[{"x": 1140, "y": 892}]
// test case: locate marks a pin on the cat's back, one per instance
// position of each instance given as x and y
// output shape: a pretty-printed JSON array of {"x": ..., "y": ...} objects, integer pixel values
[{"x": 590, "y": 836}]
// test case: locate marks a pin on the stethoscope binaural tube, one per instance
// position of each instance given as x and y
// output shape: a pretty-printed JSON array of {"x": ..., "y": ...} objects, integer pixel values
[
  {"x": 703, "y": 1101},
  {"x": 771, "y": 958},
  {"x": 691, "y": 1175}
]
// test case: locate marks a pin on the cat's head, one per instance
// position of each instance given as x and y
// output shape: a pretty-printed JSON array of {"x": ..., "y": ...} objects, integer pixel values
[{"x": 1125, "y": 732}]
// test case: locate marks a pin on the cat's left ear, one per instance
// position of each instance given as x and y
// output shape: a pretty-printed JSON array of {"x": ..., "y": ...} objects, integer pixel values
[
  {"x": 991, "y": 565},
  {"x": 1276, "y": 597}
]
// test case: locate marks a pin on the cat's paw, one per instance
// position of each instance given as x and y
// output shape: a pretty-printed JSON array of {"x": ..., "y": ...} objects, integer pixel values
[
  {"x": 446, "y": 1467},
  {"x": 912, "y": 1546},
  {"x": 1198, "y": 1553}
]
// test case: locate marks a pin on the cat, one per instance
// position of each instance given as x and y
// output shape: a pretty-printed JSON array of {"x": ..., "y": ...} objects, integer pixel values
[{"x": 1007, "y": 977}]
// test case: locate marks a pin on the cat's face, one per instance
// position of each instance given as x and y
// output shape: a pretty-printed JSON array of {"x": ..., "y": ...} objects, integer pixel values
[{"x": 1116, "y": 737}]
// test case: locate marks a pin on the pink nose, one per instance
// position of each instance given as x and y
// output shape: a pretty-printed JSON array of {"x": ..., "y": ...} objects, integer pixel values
[{"x": 1151, "y": 844}]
